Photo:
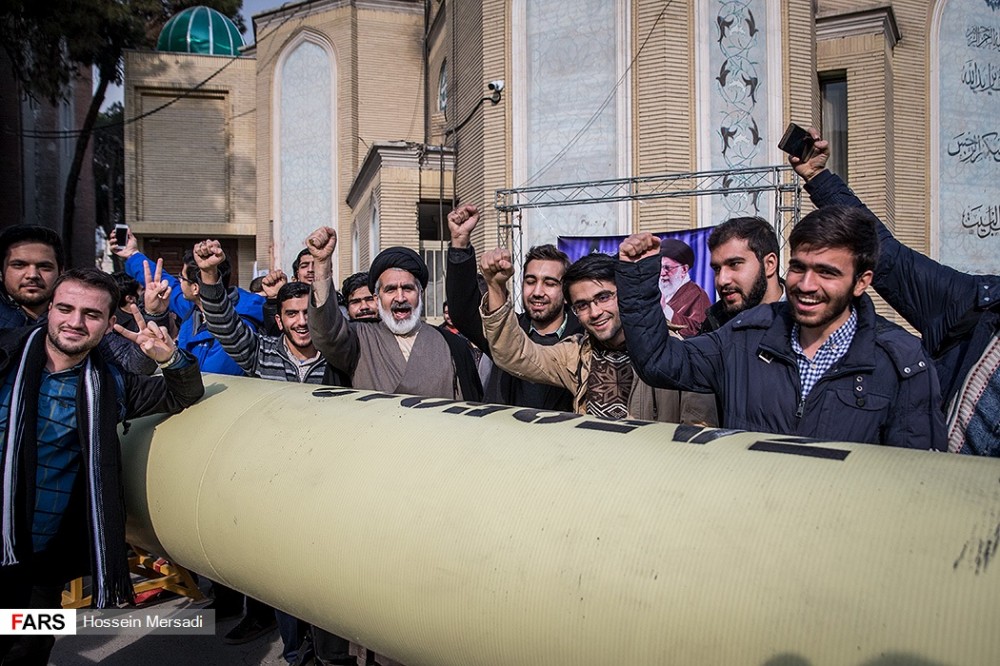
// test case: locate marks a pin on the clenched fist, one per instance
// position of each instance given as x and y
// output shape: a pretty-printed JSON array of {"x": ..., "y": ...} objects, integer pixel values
[
  {"x": 208, "y": 254},
  {"x": 497, "y": 267},
  {"x": 273, "y": 282},
  {"x": 321, "y": 243},
  {"x": 639, "y": 246},
  {"x": 461, "y": 222}
]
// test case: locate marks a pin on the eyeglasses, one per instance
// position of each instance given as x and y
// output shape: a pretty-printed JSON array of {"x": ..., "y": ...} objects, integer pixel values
[
  {"x": 603, "y": 298},
  {"x": 669, "y": 270}
]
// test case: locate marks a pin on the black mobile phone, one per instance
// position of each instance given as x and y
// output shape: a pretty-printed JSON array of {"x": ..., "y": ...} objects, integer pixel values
[
  {"x": 121, "y": 234},
  {"x": 796, "y": 142}
]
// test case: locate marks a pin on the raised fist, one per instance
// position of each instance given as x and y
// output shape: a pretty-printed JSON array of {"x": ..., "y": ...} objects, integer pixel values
[
  {"x": 208, "y": 254},
  {"x": 461, "y": 222},
  {"x": 321, "y": 243},
  {"x": 496, "y": 266},
  {"x": 273, "y": 282},
  {"x": 639, "y": 246}
]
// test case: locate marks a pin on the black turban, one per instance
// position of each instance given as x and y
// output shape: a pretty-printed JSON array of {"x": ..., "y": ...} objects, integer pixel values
[
  {"x": 397, "y": 257},
  {"x": 677, "y": 250}
]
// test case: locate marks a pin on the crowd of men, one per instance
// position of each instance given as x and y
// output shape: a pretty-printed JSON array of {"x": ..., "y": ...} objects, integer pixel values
[{"x": 626, "y": 337}]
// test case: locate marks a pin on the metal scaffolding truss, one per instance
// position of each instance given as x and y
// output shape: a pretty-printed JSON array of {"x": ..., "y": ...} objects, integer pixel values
[
  {"x": 777, "y": 179},
  {"x": 780, "y": 180}
]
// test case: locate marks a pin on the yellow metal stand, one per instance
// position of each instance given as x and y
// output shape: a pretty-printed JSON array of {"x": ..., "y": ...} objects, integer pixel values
[{"x": 158, "y": 575}]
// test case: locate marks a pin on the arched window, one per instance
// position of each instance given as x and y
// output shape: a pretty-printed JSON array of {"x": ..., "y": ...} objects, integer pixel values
[
  {"x": 304, "y": 143},
  {"x": 355, "y": 248},
  {"x": 374, "y": 234},
  {"x": 443, "y": 88}
]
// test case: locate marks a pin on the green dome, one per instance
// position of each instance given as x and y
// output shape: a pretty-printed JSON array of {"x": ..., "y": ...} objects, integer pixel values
[{"x": 200, "y": 30}]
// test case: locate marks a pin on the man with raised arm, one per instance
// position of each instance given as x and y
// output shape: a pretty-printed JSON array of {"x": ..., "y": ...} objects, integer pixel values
[
  {"x": 545, "y": 319},
  {"x": 957, "y": 315},
  {"x": 822, "y": 364},
  {"x": 399, "y": 353},
  {"x": 594, "y": 366},
  {"x": 183, "y": 298},
  {"x": 289, "y": 357}
]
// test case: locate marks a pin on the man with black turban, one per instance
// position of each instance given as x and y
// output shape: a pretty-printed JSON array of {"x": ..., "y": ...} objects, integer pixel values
[
  {"x": 683, "y": 302},
  {"x": 399, "y": 353}
]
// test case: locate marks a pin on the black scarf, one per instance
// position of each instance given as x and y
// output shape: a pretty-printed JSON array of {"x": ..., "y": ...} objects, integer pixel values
[{"x": 96, "y": 411}]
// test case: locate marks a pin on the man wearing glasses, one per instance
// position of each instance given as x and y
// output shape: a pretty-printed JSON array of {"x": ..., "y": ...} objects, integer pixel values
[{"x": 594, "y": 365}]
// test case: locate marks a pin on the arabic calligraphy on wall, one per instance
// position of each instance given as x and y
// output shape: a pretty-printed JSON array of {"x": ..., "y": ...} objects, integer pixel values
[
  {"x": 966, "y": 189},
  {"x": 970, "y": 147},
  {"x": 981, "y": 76},
  {"x": 983, "y": 37},
  {"x": 982, "y": 220}
]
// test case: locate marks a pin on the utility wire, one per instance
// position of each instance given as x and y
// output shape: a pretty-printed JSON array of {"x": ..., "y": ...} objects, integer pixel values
[
  {"x": 607, "y": 100},
  {"x": 58, "y": 134}
]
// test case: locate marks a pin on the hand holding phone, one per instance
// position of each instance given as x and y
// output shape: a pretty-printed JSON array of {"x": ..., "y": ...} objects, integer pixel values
[
  {"x": 121, "y": 235},
  {"x": 797, "y": 142}
]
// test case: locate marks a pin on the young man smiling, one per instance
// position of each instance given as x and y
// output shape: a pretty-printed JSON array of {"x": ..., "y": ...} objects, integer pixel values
[
  {"x": 60, "y": 460},
  {"x": 289, "y": 357},
  {"x": 545, "y": 318},
  {"x": 822, "y": 364},
  {"x": 594, "y": 366}
]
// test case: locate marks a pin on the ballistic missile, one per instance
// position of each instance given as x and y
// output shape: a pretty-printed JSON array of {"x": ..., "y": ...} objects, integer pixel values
[{"x": 444, "y": 533}]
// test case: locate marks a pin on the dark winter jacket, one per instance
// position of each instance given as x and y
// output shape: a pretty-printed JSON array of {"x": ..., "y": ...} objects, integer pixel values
[
  {"x": 956, "y": 313},
  {"x": 883, "y": 390},
  {"x": 68, "y": 555},
  {"x": 464, "y": 298}
]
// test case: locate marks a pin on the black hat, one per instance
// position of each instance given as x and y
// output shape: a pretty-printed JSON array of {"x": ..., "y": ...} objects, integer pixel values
[
  {"x": 677, "y": 250},
  {"x": 397, "y": 257}
]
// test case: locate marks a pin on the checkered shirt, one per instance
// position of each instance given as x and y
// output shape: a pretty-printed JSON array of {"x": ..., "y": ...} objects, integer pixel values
[{"x": 810, "y": 371}]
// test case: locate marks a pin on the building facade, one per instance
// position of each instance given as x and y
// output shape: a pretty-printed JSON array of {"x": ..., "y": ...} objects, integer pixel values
[{"x": 375, "y": 117}]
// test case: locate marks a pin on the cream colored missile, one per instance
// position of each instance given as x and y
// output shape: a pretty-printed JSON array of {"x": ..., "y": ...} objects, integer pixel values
[{"x": 451, "y": 534}]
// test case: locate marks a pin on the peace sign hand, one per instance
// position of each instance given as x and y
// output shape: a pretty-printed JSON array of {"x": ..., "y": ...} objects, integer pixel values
[
  {"x": 153, "y": 340},
  {"x": 156, "y": 295}
]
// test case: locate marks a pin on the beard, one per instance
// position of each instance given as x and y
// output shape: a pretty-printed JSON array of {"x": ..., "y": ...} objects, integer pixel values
[
  {"x": 835, "y": 305},
  {"x": 751, "y": 300},
  {"x": 670, "y": 285},
  {"x": 404, "y": 326},
  {"x": 546, "y": 315},
  {"x": 83, "y": 345},
  {"x": 22, "y": 297}
]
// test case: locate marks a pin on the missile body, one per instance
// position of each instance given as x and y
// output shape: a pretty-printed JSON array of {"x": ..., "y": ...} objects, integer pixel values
[{"x": 446, "y": 533}]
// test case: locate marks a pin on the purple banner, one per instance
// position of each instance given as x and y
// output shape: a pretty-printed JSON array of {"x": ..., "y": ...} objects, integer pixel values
[{"x": 682, "y": 262}]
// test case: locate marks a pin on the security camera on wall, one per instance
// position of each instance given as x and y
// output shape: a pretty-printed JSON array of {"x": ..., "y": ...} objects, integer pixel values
[{"x": 496, "y": 86}]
